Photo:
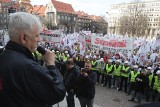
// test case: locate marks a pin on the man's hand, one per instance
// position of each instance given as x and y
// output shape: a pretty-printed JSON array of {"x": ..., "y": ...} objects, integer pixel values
[
  {"x": 49, "y": 58},
  {"x": 85, "y": 74}
]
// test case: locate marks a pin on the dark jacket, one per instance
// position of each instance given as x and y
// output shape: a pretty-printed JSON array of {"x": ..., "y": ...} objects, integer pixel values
[
  {"x": 63, "y": 67},
  {"x": 155, "y": 71},
  {"x": 25, "y": 83},
  {"x": 1, "y": 49},
  {"x": 86, "y": 85},
  {"x": 81, "y": 64},
  {"x": 70, "y": 78},
  {"x": 141, "y": 85}
]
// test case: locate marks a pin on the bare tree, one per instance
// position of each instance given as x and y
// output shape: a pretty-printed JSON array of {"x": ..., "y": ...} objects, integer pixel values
[
  {"x": 134, "y": 22},
  {"x": 124, "y": 24},
  {"x": 100, "y": 26}
]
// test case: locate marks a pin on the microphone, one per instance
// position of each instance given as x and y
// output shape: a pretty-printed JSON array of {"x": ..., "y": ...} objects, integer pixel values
[{"x": 41, "y": 50}]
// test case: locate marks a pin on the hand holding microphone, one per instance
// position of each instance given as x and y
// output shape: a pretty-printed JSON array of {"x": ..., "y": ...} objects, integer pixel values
[{"x": 48, "y": 56}]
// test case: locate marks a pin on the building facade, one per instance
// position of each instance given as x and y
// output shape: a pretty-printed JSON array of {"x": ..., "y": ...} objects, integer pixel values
[
  {"x": 99, "y": 24},
  {"x": 4, "y": 7},
  {"x": 149, "y": 10},
  {"x": 83, "y": 22},
  {"x": 55, "y": 15},
  {"x": 7, "y": 7},
  {"x": 61, "y": 15}
]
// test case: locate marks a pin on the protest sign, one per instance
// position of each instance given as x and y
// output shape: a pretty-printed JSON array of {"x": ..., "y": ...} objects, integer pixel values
[{"x": 122, "y": 45}]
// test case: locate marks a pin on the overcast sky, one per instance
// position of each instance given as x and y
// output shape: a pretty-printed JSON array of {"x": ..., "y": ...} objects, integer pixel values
[{"x": 95, "y": 7}]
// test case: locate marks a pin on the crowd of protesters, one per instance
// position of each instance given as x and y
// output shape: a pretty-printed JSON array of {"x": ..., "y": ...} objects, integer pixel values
[
  {"x": 26, "y": 83},
  {"x": 138, "y": 78}
]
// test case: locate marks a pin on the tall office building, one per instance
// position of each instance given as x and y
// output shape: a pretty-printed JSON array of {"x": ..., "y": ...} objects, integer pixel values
[{"x": 149, "y": 10}]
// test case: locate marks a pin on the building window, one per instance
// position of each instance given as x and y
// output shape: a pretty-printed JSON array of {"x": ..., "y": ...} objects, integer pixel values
[
  {"x": 65, "y": 17},
  {"x": 74, "y": 18},
  {"x": 62, "y": 17},
  {"x": 69, "y": 18},
  {"x": 4, "y": 15},
  {"x": 5, "y": 20},
  {"x": 58, "y": 16}
]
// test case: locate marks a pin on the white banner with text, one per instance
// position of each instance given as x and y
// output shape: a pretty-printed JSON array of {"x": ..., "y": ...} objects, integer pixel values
[{"x": 112, "y": 44}]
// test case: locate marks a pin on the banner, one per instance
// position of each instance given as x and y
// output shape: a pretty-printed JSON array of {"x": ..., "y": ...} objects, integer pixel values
[
  {"x": 119, "y": 45},
  {"x": 87, "y": 35},
  {"x": 157, "y": 42},
  {"x": 82, "y": 42},
  {"x": 53, "y": 36}
]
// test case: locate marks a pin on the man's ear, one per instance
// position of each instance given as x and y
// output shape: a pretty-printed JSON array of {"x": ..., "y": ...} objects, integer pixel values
[{"x": 23, "y": 38}]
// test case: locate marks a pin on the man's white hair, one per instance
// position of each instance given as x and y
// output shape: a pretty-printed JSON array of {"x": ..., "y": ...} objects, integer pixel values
[{"x": 22, "y": 22}]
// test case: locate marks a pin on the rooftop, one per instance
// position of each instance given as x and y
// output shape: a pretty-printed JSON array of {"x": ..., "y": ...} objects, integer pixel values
[
  {"x": 39, "y": 10},
  {"x": 63, "y": 7}
]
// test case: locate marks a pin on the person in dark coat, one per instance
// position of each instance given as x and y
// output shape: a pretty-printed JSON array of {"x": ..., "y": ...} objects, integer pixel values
[
  {"x": 142, "y": 82},
  {"x": 156, "y": 87},
  {"x": 157, "y": 68},
  {"x": 70, "y": 78},
  {"x": 149, "y": 105},
  {"x": 24, "y": 82},
  {"x": 1, "y": 50},
  {"x": 86, "y": 86},
  {"x": 81, "y": 62},
  {"x": 62, "y": 67},
  {"x": 149, "y": 89}
]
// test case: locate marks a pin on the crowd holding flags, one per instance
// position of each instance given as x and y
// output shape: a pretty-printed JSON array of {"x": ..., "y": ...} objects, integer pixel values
[
  {"x": 116, "y": 58},
  {"x": 78, "y": 42}
]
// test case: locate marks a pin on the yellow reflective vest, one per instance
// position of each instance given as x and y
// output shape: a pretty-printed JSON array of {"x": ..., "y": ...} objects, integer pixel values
[
  {"x": 117, "y": 71},
  {"x": 156, "y": 84},
  {"x": 65, "y": 58},
  {"x": 150, "y": 79},
  {"x": 77, "y": 58},
  {"x": 93, "y": 64},
  {"x": 125, "y": 70},
  {"x": 109, "y": 69},
  {"x": 133, "y": 76}
]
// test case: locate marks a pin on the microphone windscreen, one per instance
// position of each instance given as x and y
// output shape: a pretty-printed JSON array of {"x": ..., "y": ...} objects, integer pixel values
[{"x": 41, "y": 50}]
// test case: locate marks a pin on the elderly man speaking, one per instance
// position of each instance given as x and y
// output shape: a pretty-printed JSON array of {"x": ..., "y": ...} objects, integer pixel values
[{"x": 23, "y": 82}]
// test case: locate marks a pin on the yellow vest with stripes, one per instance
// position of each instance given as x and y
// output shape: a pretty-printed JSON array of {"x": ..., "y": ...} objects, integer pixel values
[
  {"x": 133, "y": 76},
  {"x": 117, "y": 71},
  {"x": 93, "y": 64},
  {"x": 125, "y": 70},
  {"x": 109, "y": 69}
]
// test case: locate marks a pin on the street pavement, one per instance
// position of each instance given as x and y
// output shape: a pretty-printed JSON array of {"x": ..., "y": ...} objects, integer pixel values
[
  {"x": 77, "y": 104},
  {"x": 106, "y": 98}
]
